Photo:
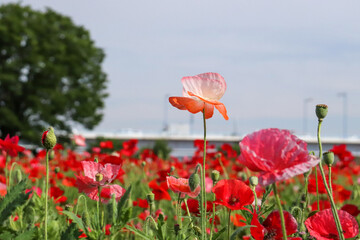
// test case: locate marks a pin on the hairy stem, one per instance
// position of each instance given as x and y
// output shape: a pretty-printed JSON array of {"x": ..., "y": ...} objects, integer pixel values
[{"x": 280, "y": 212}]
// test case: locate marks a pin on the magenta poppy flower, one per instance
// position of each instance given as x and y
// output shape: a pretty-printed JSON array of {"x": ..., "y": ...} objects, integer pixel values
[
  {"x": 233, "y": 194},
  {"x": 97, "y": 175},
  {"x": 200, "y": 92},
  {"x": 322, "y": 225},
  {"x": 271, "y": 227},
  {"x": 276, "y": 154}
]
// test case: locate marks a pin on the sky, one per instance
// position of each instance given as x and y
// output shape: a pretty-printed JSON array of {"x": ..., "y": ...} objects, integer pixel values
[{"x": 273, "y": 55}]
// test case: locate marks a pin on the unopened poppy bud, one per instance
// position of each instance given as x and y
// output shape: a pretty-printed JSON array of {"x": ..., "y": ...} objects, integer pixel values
[
  {"x": 48, "y": 138},
  {"x": 215, "y": 175},
  {"x": 218, "y": 155},
  {"x": 321, "y": 111},
  {"x": 18, "y": 175},
  {"x": 194, "y": 181},
  {"x": 254, "y": 181},
  {"x": 99, "y": 177},
  {"x": 150, "y": 198},
  {"x": 306, "y": 174},
  {"x": 96, "y": 159},
  {"x": 57, "y": 170},
  {"x": 242, "y": 176},
  {"x": 172, "y": 169},
  {"x": 143, "y": 164},
  {"x": 197, "y": 229},
  {"x": 328, "y": 158},
  {"x": 51, "y": 155}
]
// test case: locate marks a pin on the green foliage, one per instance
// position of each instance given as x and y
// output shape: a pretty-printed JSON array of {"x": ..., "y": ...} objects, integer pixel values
[
  {"x": 240, "y": 230},
  {"x": 50, "y": 73},
  {"x": 13, "y": 199},
  {"x": 28, "y": 235},
  {"x": 162, "y": 149},
  {"x": 76, "y": 220},
  {"x": 72, "y": 232}
]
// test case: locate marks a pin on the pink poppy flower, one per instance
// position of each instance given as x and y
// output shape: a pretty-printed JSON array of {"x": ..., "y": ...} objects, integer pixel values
[
  {"x": 201, "y": 92},
  {"x": 181, "y": 185},
  {"x": 276, "y": 154},
  {"x": 89, "y": 183},
  {"x": 322, "y": 225},
  {"x": 79, "y": 140}
]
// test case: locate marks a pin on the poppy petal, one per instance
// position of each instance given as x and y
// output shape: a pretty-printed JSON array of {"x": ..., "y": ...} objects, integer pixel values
[{"x": 185, "y": 103}]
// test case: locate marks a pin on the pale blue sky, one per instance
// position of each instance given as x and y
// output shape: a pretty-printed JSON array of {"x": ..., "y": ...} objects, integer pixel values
[{"x": 272, "y": 54}]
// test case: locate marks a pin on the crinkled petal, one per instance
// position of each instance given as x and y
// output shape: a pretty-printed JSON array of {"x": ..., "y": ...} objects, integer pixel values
[
  {"x": 210, "y": 86},
  {"x": 273, "y": 224},
  {"x": 185, "y": 103},
  {"x": 91, "y": 169},
  {"x": 110, "y": 171},
  {"x": 322, "y": 225}
]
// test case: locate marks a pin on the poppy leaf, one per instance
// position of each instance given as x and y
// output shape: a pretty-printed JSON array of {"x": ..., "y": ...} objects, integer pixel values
[
  {"x": 77, "y": 220},
  {"x": 218, "y": 234},
  {"x": 138, "y": 232}
]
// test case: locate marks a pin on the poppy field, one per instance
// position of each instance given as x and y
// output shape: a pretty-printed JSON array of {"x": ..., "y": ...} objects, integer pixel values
[{"x": 268, "y": 186}]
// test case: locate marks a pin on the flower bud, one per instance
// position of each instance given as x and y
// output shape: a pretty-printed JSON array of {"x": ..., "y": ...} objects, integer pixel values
[
  {"x": 194, "y": 181},
  {"x": 99, "y": 177},
  {"x": 96, "y": 159},
  {"x": 172, "y": 169},
  {"x": 69, "y": 207},
  {"x": 328, "y": 158},
  {"x": 150, "y": 198},
  {"x": 215, "y": 176},
  {"x": 51, "y": 155},
  {"x": 48, "y": 138},
  {"x": 57, "y": 170},
  {"x": 18, "y": 175},
  {"x": 254, "y": 181},
  {"x": 143, "y": 164},
  {"x": 321, "y": 111}
]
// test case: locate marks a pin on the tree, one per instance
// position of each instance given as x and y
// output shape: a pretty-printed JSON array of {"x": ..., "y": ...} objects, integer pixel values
[{"x": 50, "y": 73}]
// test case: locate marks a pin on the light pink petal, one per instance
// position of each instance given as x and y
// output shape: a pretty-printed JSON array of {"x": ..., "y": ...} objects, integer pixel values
[
  {"x": 195, "y": 193},
  {"x": 268, "y": 178},
  {"x": 110, "y": 171},
  {"x": 209, "y": 86},
  {"x": 91, "y": 169}
]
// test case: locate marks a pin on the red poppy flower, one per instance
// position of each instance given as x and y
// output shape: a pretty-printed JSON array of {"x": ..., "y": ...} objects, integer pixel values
[
  {"x": 324, "y": 204},
  {"x": 181, "y": 185},
  {"x": 160, "y": 191},
  {"x": 271, "y": 227},
  {"x": 193, "y": 206},
  {"x": 343, "y": 154},
  {"x": 276, "y": 154},
  {"x": 352, "y": 209},
  {"x": 129, "y": 148},
  {"x": 238, "y": 220},
  {"x": 322, "y": 225},
  {"x": 232, "y": 193},
  {"x": 107, "y": 144},
  {"x": 143, "y": 203},
  {"x": 10, "y": 145},
  {"x": 201, "y": 92},
  {"x": 57, "y": 194}
]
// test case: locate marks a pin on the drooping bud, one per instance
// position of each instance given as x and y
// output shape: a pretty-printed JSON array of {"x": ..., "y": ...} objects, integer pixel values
[
  {"x": 143, "y": 164},
  {"x": 57, "y": 170},
  {"x": 172, "y": 169},
  {"x": 215, "y": 176},
  {"x": 150, "y": 197},
  {"x": 96, "y": 159},
  {"x": 99, "y": 177},
  {"x": 328, "y": 158},
  {"x": 254, "y": 181},
  {"x": 321, "y": 111},
  {"x": 51, "y": 155},
  {"x": 194, "y": 181},
  {"x": 48, "y": 138}
]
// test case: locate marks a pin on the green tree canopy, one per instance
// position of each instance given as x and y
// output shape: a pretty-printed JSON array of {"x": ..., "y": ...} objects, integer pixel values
[{"x": 50, "y": 73}]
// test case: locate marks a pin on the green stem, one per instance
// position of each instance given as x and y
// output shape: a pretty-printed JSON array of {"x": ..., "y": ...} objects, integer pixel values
[
  {"x": 203, "y": 187},
  {"x": 10, "y": 173},
  {"x": 213, "y": 219},
  {"x": 330, "y": 185},
  {"x": 178, "y": 210},
  {"x": 46, "y": 192},
  {"x": 98, "y": 206},
  {"x": 256, "y": 200},
  {"x": 333, "y": 206},
  {"x": 223, "y": 168},
  {"x": 280, "y": 211},
  {"x": 8, "y": 159},
  {"x": 317, "y": 189},
  {"x": 188, "y": 213},
  {"x": 229, "y": 221}
]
